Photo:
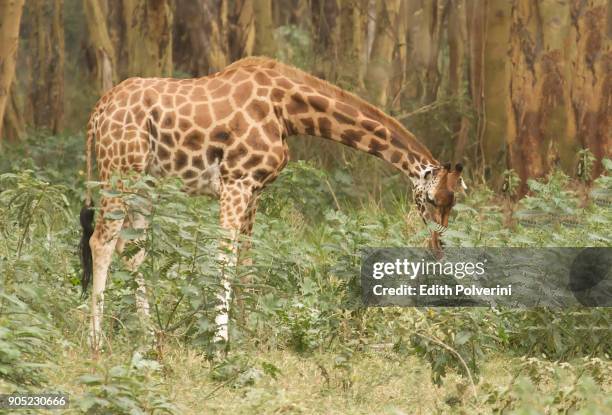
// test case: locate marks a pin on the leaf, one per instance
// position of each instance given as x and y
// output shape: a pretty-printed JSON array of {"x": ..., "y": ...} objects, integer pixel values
[
  {"x": 110, "y": 193},
  {"x": 462, "y": 337},
  {"x": 122, "y": 276},
  {"x": 87, "y": 402},
  {"x": 114, "y": 215},
  {"x": 270, "y": 369},
  {"x": 460, "y": 207},
  {"x": 90, "y": 379},
  {"x": 130, "y": 234},
  {"x": 600, "y": 219}
]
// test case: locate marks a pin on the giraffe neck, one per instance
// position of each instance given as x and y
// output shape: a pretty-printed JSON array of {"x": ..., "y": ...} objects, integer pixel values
[{"x": 317, "y": 108}]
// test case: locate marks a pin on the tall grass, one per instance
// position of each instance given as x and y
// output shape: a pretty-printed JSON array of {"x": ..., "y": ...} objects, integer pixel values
[{"x": 299, "y": 317}]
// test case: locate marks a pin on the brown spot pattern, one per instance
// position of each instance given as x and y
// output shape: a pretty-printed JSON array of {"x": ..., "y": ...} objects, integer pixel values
[{"x": 319, "y": 104}]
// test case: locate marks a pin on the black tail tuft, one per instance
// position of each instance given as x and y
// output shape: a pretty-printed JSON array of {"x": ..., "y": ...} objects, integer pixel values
[{"x": 87, "y": 218}]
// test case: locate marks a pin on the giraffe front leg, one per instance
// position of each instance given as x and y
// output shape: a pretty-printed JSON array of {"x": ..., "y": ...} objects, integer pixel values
[
  {"x": 228, "y": 260},
  {"x": 234, "y": 210},
  {"x": 102, "y": 245}
]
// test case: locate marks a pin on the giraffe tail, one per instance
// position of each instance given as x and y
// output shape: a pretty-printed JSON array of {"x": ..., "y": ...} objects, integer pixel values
[{"x": 86, "y": 217}]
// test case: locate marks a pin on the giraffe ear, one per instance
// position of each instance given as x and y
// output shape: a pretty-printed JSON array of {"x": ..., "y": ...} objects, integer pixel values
[{"x": 459, "y": 169}]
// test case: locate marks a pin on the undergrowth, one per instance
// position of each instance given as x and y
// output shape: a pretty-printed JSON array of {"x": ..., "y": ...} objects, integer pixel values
[{"x": 300, "y": 298}]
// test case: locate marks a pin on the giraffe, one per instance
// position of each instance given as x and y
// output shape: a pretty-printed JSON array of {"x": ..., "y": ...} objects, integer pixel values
[{"x": 225, "y": 136}]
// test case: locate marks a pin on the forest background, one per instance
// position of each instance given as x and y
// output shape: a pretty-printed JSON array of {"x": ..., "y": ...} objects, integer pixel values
[{"x": 495, "y": 84}]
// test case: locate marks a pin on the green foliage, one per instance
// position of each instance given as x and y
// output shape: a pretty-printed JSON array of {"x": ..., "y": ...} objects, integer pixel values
[
  {"x": 559, "y": 336},
  {"x": 552, "y": 196},
  {"x": 301, "y": 295},
  {"x": 301, "y": 187},
  {"x": 586, "y": 161},
  {"x": 293, "y": 46},
  {"x": 54, "y": 159},
  {"x": 33, "y": 203},
  {"x": 182, "y": 245},
  {"x": 551, "y": 215},
  {"x": 25, "y": 339},
  {"x": 511, "y": 182},
  {"x": 459, "y": 340},
  {"x": 574, "y": 388},
  {"x": 454, "y": 339},
  {"x": 134, "y": 388},
  {"x": 601, "y": 191}
]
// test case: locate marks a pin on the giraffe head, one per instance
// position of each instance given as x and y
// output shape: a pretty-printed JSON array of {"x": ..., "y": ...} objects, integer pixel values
[{"x": 435, "y": 195}]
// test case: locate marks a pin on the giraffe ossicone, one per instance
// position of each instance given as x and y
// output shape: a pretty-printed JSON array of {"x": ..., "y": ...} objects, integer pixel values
[{"x": 225, "y": 135}]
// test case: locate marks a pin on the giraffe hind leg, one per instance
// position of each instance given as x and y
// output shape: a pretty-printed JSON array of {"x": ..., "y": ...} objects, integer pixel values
[
  {"x": 102, "y": 244},
  {"x": 137, "y": 221}
]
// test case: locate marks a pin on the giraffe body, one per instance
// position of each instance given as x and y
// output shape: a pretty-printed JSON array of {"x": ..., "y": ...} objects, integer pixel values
[
  {"x": 225, "y": 136},
  {"x": 201, "y": 130}
]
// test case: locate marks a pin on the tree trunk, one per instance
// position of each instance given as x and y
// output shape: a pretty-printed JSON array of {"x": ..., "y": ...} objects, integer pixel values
[
  {"x": 370, "y": 29},
  {"x": 496, "y": 19},
  {"x": 436, "y": 16},
  {"x": 264, "y": 28},
  {"x": 352, "y": 31},
  {"x": 400, "y": 58},
  {"x": 556, "y": 21},
  {"x": 47, "y": 51},
  {"x": 535, "y": 89},
  {"x": 380, "y": 68},
  {"x": 117, "y": 31},
  {"x": 457, "y": 32},
  {"x": 591, "y": 81},
  {"x": 326, "y": 29},
  {"x": 423, "y": 36},
  {"x": 288, "y": 12},
  {"x": 300, "y": 13},
  {"x": 524, "y": 119},
  {"x": 103, "y": 51},
  {"x": 10, "y": 17},
  {"x": 148, "y": 29},
  {"x": 242, "y": 33},
  {"x": 14, "y": 124},
  {"x": 457, "y": 76},
  {"x": 201, "y": 36},
  {"x": 476, "y": 19}
]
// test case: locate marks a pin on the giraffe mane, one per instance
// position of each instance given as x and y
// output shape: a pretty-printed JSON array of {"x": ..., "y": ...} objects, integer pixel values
[{"x": 321, "y": 85}]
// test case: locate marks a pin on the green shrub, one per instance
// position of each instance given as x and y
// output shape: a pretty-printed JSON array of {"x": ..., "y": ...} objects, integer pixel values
[
  {"x": 25, "y": 343},
  {"x": 134, "y": 388}
]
